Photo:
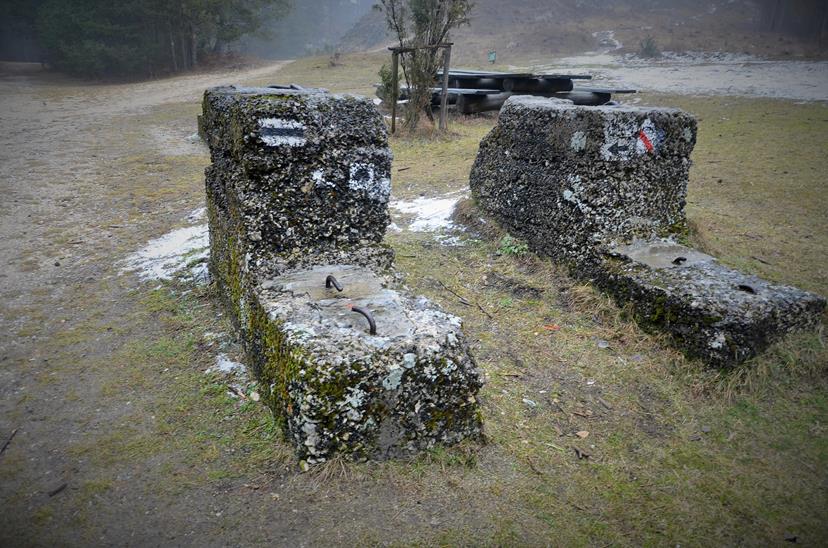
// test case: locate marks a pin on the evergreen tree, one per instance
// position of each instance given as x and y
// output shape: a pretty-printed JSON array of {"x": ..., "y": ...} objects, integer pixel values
[{"x": 98, "y": 38}]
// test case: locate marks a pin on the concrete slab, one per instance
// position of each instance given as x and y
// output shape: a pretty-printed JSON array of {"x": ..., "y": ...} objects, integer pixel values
[
  {"x": 297, "y": 191},
  {"x": 602, "y": 190}
]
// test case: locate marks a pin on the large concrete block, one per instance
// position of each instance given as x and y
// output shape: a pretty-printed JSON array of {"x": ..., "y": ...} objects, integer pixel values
[
  {"x": 566, "y": 178},
  {"x": 602, "y": 189},
  {"x": 298, "y": 191},
  {"x": 340, "y": 389},
  {"x": 712, "y": 312},
  {"x": 310, "y": 169}
]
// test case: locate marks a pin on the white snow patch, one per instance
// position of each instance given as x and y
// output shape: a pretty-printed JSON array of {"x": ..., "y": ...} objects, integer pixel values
[
  {"x": 164, "y": 257},
  {"x": 431, "y": 214},
  {"x": 197, "y": 215},
  {"x": 226, "y": 366}
]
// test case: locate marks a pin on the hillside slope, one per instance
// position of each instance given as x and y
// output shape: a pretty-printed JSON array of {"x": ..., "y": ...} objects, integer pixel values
[{"x": 524, "y": 29}]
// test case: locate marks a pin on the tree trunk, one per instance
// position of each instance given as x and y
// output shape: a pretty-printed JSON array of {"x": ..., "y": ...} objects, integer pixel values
[
  {"x": 776, "y": 14},
  {"x": 823, "y": 31},
  {"x": 193, "y": 47},
  {"x": 185, "y": 59},
  {"x": 173, "y": 56}
]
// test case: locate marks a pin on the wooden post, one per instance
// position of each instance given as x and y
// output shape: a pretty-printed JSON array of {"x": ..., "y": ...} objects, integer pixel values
[
  {"x": 395, "y": 89},
  {"x": 444, "y": 98}
]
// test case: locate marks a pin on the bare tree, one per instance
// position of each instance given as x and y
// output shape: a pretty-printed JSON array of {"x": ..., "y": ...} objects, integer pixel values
[{"x": 417, "y": 23}]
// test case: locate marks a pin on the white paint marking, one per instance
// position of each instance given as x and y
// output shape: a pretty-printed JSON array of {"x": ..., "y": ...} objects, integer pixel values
[
  {"x": 277, "y": 140},
  {"x": 363, "y": 177}
]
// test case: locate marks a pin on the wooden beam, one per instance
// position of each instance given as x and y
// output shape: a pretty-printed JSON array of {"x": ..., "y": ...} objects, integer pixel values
[
  {"x": 444, "y": 99},
  {"x": 395, "y": 89},
  {"x": 409, "y": 49}
]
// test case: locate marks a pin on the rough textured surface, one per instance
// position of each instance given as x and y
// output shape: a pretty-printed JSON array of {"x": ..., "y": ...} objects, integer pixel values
[
  {"x": 298, "y": 190},
  {"x": 602, "y": 189},
  {"x": 306, "y": 169},
  {"x": 567, "y": 178},
  {"x": 713, "y": 312},
  {"x": 342, "y": 390}
]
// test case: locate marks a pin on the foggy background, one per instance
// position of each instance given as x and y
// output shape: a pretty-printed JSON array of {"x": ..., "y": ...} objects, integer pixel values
[
  {"x": 311, "y": 27},
  {"x": 765, "y": 28}
]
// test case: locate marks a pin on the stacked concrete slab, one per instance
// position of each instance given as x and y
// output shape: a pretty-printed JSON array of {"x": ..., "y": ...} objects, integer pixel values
[
  {"x": 603, "y": 189},
  {"x": 297, "y": 198}
]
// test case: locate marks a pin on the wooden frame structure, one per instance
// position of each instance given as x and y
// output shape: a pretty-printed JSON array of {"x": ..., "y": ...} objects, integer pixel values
[{"x": 395, "y": 80}]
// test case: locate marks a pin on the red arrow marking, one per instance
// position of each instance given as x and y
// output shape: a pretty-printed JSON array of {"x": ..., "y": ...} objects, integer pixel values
[{"x": 645, "y": 140}]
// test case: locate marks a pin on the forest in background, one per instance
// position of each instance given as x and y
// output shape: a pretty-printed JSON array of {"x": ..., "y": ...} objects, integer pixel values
[
  {"x": 131, "y": 38},
  {"x": 152, "y": 38}
]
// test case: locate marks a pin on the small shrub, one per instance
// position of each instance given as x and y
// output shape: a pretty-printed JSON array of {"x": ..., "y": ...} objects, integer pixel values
[
  {"x": 384, "y": 91},
  {"x": 333, "y": 60},
  {"x": 648, "y": 48},
  {"x": 514, "y": 247}
]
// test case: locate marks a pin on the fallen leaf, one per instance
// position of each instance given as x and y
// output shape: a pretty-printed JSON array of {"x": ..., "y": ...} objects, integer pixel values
[
  {"x": 582, "y": 434},
  {"x": 552, "y": 327}
]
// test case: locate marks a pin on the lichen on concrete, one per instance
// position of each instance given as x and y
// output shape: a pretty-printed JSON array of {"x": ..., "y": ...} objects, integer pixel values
[
  {"x": 566, "y": 178},
  {"x": 298, "y": 190},
  {"x": 713, "y": 312},
  {"x": 603, "y": 190}
]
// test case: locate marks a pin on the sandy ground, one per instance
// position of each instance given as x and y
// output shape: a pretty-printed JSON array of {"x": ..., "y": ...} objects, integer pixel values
[{"x": 697, "y": 73}]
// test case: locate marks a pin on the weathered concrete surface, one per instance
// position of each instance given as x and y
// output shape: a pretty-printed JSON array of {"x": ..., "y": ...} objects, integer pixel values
[
  {"x": 566, "y": 178},
  {"x": 298, "y": 190},
  {"x": 713, "y": 312},
  {"x": 602, "y": 189},
  {"x": 306, "y": 169},
  {"x": 407, "y": 388}
]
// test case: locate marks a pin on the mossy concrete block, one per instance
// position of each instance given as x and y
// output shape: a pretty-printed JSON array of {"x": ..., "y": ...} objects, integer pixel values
[
  {"x": 602, "y": 190},
  {"x": 309, "y": 169},
  {"x": 567, "y": 177},
  {"x": 340, "y": 389},
  {"x": 712, "y": 312},
  {"x": 298, "y": 190}
]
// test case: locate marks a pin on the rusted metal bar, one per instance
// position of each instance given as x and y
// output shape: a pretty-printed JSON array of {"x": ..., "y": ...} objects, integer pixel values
[
  {"x": 331, "y": 281},
  {"x": 372, "y": 325}
]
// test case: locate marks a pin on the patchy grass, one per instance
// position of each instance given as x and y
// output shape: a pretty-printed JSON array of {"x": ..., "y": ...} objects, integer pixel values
[
  {"x": 151, "y": 446},
  {"x": 677, "y": 453},
  {"x": 757, "y": 197},
  {"x": 354, "y": 73}
]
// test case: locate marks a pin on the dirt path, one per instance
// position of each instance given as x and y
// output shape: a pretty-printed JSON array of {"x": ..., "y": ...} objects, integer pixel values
[
  {"x": 696, "y": 73},
  {"x": 88, "y": 172}
]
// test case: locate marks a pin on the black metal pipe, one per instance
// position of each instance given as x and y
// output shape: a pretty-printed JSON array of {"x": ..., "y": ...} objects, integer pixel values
[
  {"x": 331, "y": 281},
  {"x": 372, "y": 325}
]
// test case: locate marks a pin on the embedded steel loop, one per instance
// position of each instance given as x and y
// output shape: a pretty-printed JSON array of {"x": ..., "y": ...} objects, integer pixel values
[
  {"x": 372, "y": 325},
  {"x": 331, "y": 281}
]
